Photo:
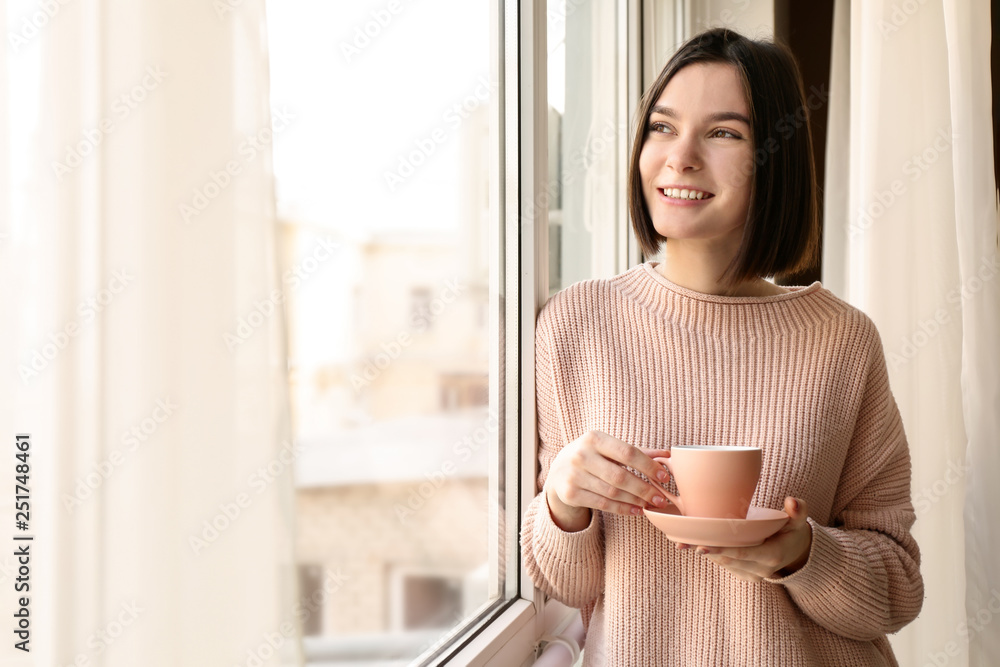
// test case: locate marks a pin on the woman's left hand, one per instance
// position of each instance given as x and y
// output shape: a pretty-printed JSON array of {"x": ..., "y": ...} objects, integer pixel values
[{"x": 780, "y": 555}]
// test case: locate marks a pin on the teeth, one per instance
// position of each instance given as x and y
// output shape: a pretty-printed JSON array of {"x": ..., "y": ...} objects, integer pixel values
[{"x": 678, "y": 193}]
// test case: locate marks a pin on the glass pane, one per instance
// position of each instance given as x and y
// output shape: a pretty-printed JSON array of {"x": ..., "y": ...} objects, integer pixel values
[
  {"x": 586, "y": 135},
  {"x": 392, "y": 273}
]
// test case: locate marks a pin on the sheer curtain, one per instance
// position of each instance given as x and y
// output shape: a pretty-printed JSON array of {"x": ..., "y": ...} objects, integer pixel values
[
  {"x": 911, "y": 237},
  {"x": 144, "y": 347}
]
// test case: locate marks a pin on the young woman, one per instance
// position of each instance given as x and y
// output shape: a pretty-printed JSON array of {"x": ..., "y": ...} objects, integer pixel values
[{"x": 701, "y": 349}]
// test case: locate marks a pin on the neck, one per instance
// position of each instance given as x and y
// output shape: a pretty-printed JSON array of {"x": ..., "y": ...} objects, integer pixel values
[{"x": 699, "y": 267}]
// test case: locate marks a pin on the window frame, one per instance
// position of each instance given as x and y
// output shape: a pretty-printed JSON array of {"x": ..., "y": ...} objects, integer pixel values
[
  {"x": 502, "y": 630},
  {"x": 509, "y": 633}
]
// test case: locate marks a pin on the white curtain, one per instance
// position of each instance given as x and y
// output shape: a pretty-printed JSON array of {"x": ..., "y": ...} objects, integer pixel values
[
  {"x": 143, "y": 347},
  {"x": 911, "y": 237}
]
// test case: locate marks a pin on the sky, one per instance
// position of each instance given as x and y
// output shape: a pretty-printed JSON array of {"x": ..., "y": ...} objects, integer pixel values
[{"x": 370, "y": 87}]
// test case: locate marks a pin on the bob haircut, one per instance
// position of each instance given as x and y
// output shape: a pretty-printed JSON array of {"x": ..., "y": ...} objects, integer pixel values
[{"x": 781, "y": 232}]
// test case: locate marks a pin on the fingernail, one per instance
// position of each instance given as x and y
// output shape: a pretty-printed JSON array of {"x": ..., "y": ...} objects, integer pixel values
[
  {"x": 636, "y": 510},
  {"x": 662, "y": 475},
  {"x": 658, "y": 500},
  {"x": 701, "y": 551}
]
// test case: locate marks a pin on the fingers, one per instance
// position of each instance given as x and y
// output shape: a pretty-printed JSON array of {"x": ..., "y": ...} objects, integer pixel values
[
  {"x": 605, "y": 486},
  {"x": 593, "y": 472},
  {"x": 743, "y": 571},
  {"x": 586, "y": 498},
  {"x": 654, "y": 453},
  {"x": 636, "y": 458},
  {"x": 797, "y": 510},
  {"x": 780, "y": 555},
  {"x": 749, "y": 564},
  {"x": 604, "y": 456}
]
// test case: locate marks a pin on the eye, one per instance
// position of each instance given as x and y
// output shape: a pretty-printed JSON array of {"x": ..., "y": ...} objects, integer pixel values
[
  {"x": 723, "y": 133},
  {"x": 660, "y": 127}
]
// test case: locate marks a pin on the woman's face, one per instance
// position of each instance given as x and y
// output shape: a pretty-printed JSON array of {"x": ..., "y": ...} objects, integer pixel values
[{"x": 699, "y": 144}]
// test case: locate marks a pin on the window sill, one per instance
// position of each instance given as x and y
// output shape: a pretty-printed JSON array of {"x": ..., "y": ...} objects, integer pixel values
[
  {"x": 512, "y": 638},
  {"x": 508, "y": 640}
]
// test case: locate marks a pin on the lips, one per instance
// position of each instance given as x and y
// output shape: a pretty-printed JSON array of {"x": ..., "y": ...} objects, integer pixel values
[{"x": 685, "y": 193}]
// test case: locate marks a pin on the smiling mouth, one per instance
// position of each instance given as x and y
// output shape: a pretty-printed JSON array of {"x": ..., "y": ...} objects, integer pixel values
[{"x": 684, "y": 193}]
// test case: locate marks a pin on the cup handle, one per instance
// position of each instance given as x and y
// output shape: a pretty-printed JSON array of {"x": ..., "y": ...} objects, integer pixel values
[{"x": 671, "y": 497}]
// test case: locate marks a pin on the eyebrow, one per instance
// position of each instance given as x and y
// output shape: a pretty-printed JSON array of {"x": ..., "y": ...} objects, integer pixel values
[{"x": 718, "y": 117}]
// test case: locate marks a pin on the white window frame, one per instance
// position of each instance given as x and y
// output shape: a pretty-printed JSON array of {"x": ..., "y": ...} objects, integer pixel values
[{"x": 512, "y": 636}]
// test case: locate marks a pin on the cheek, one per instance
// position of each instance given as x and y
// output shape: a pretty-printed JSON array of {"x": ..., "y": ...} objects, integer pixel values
[
  {"x": 647, "y": 165},
  {"x": 740, "y": 173}
]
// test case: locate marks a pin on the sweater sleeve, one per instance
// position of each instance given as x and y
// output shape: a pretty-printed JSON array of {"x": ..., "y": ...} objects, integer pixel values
[
  {"x": 568, "y": 567},
  {"x": 862, "y": 578}
]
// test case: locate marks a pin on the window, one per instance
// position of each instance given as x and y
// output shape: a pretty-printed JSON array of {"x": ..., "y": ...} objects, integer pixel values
[
  {"x": 588, "y": 132},
  {"x": 432, "y": 599},
  {"x": 420, "y": 305},
  {"x": 310, "y": 587},
  {"x": 463, "y": 191},
  {"x": 393, "y": 253},
  {"x": 462, "y": 391}
]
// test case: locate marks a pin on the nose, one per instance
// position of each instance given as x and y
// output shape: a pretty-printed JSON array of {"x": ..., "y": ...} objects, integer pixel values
[{"x": 684, "y": 155}]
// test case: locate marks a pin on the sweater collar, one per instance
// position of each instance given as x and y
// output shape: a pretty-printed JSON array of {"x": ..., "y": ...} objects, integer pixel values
[{"x": 727, "y": 315}]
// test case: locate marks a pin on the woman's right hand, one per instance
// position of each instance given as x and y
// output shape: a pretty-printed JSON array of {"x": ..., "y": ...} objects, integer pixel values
[{"x": 589, "y": 473}]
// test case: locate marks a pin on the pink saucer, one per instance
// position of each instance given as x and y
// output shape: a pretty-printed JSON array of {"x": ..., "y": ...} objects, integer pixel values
[{"x": 760, "y": 524}]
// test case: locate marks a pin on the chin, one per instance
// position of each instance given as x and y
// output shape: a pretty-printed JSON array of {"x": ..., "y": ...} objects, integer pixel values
[{"x": 699, "y": 232}]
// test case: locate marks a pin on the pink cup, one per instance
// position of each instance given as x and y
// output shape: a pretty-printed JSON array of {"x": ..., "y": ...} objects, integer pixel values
[{"x": 713, "y": 481}]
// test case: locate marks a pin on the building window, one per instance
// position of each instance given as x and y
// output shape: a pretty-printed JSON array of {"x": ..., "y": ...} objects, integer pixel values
[
  {"x": 463, "y": 391},
  {"x": 426, "y": 600},
  {"x": 310, "y": 588},
  {"x": 420, "y": 305}
]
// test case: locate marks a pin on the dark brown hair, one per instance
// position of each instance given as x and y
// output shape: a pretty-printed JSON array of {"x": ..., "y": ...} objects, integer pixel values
[{"x": 781, "y": 233}]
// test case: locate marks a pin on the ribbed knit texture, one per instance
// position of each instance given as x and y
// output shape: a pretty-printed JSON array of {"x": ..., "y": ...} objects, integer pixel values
[{"x": 801, "y": 375}]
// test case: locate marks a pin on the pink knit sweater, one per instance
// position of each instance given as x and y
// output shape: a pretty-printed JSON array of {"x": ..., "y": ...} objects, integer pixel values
[{"x": 801, "y": 375}]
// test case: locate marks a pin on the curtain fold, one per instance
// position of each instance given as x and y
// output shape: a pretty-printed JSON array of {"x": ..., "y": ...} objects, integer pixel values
[
  {"x": 977, "y": 228},
  {"x": 147, "y": 356},
  {"x": 911, "y": 238}
]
